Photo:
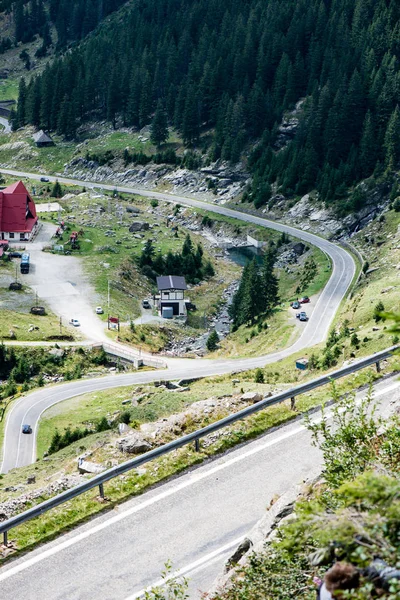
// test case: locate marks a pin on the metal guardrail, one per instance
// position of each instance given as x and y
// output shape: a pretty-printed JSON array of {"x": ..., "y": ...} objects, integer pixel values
[{"x": 195, "y": 436}]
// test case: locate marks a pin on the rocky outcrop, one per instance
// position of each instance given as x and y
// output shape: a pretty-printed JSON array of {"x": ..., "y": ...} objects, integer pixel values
[
  {"x": 309, "y": 214},
  {"x": 219, "y": 182}
]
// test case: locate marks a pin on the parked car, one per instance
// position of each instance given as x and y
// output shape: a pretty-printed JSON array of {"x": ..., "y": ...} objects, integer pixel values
[
  {"x": 295, "y": 305},
  {"x": 146, "y": 304},
  {"x": 45, "y": 179},
  {"x": 26, "y": 429},
  {"x": 303, "y": 316},
  {"x": 99, "y": 310},
  {"x": 74, "y": 322},
  {"x": 304, "y": 300},
  {"x": 15, "y": 254}
]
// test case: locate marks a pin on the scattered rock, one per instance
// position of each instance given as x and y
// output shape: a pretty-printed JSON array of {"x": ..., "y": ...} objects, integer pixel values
[
  {"x": 85, "y": 466},
  {"x": 124, "y": 428},
  {"x": 138, "y": 226},
  {"x": 57, "y": 352},
  {"x": 134, "y": 444},
  {"x": 251, "y": 397},
  {"x": 31, "y": 479}
]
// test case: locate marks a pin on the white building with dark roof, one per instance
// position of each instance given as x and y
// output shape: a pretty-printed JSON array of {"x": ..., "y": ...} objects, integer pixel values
[{"x": 171, "y": 289}]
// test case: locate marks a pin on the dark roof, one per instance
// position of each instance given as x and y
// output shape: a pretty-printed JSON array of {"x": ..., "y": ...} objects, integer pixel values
[
  {"x": 171, "y": 282},
  {"x": 42, "y": 138}
]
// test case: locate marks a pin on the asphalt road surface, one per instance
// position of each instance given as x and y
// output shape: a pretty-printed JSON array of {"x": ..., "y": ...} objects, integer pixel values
[
  {"x": 194, "y": 520},
  {"x": 19, "y": 449}
]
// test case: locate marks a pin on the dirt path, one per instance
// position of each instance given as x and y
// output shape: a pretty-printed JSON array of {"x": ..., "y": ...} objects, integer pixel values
[{"x": 60, "y": 281}]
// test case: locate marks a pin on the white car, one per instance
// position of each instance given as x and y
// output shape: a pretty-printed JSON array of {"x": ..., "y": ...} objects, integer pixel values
[
  {"x": 99, "y": 310},
  {"x": 74, "y": 322}
]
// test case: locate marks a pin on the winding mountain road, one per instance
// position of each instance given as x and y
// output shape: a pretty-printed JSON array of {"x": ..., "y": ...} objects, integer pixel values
[
  {"x": 20, "y": 450},
  {"x": 195, "y": 520}
]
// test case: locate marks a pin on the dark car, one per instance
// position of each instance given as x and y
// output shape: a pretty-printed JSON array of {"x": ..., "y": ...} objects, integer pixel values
[
  {"x": 146, "y": 304},
  {"x": 295, "y": 305},
  {"x": 15, "y": 254},
  {"x": 305, "y": 300},
  {"x": 26, "y": 429},
  {"x": 45, "y": 179}
]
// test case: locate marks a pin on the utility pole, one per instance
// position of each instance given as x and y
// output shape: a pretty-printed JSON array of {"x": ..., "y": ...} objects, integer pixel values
[
  {"x": 108, "y": 294},
  {"x": 60, "y": 325}
]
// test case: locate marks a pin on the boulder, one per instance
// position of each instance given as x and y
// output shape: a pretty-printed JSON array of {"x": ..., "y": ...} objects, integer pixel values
[
  {"x": 31, "y": 479},
  {"x": 124, "y": 428},
  {"x": 57, "y": 352},
  {"x": 133, "y": 210},
  {"x": 134, "y": 444},
  {"x": 85, "y": 466},
  {"x": 251, "y": 397},
  {"x": 138, "y": 226},
  {"x": 299, "y": 248}
]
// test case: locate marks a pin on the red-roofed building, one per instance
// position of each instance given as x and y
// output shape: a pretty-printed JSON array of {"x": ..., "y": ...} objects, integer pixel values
[{"x": 18, "y": 220}]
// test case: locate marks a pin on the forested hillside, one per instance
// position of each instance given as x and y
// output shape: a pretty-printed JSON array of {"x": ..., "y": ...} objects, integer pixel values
[
  {"x": 234, "y": 68},
  {"x": 73, "y": 19}
]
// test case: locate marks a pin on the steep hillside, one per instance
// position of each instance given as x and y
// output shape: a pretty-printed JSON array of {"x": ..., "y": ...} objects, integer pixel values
[{"x": 233, "y": 69}]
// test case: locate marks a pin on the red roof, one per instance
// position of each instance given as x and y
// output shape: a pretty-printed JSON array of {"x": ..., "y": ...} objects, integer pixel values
[{"x": 17, "y": 209}]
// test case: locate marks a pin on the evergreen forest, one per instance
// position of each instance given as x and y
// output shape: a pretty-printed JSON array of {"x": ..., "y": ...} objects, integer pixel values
[{"x": 233, "y": 70}]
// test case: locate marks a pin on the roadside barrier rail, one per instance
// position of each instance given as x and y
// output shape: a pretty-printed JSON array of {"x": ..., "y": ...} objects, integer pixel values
[{"x": 195, "y": 436}]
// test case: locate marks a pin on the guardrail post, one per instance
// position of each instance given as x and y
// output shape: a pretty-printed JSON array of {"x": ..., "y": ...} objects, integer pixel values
[
  {"x": 197, "y": 444},
  {"x": 378, "y": 366},
  {"x": 101, "y": 490},
  {"x": 293, "y": 403},
  {"x": 5, "y": 538}
]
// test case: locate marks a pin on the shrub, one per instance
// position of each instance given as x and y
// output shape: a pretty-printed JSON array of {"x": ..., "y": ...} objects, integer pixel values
[
  {"x": 354, "y": 341},
  {"x": 259, "y": 376},
  {"x": 102, "y": 425},
  {"x": 378, "y": 310},
  {"x": 125, "y": 417}
]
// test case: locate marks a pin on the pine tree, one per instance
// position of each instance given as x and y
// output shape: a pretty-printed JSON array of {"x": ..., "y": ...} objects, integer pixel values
[
  {"x": 212, "y": 341},
  {"x": 187, "y": 247},
  {"x": 159, "y": 126},
  {"x": 56, "y": 191},
  {"x": 20, "y": 117},
  {"x": 392, "y": 140},
  {"x": 190, "y": 121},
  {"x": 270, "y": 283}
]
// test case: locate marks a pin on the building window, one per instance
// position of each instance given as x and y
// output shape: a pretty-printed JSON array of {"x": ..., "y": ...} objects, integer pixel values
[
  {"x": 21, "y": 236},
  {"x": 11, "y": 236}
]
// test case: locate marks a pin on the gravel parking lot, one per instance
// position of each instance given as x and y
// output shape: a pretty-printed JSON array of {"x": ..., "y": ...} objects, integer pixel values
[{"x": 60, "y": 281}]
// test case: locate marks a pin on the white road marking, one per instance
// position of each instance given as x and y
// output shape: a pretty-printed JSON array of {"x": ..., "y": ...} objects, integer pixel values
[
  {"x": 190, "y": 480},
  {"x": 195, "y": 566}
]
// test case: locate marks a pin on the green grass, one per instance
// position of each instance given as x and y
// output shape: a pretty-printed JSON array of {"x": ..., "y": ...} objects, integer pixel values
[
  {"x": 49, "y": 326},
  {"x": 9, "y": 89},
  {"x": 53, "y": 159},
  {"x": 251, "y": 341}
]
